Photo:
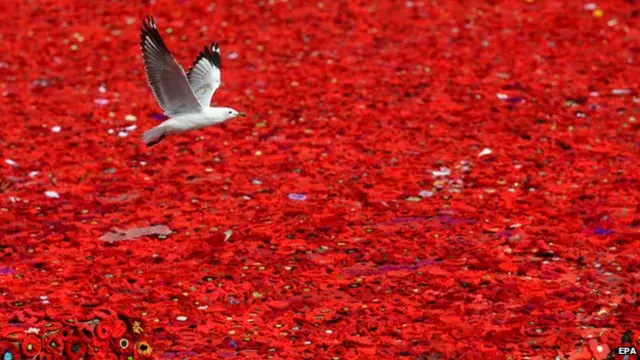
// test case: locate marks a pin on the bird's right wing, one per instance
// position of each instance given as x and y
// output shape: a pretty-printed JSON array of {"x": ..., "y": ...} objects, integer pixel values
[
  {"x": 166, "y": 77},
  {"x": 204, "y": 75}
]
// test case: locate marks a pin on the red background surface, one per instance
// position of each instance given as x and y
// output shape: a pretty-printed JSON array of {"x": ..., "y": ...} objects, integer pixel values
[{"x": 528, "y": 251}]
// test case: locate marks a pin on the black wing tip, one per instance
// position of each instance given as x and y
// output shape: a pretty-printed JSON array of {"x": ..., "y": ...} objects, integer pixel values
[
  {"x": 148, "y": 23},
  {"x": 149, "y": 30},
  {"x": 211, "y": 53}
]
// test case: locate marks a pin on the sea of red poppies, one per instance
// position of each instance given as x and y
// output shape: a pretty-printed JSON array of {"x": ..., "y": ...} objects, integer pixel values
[{"x": 415, "y": 180}]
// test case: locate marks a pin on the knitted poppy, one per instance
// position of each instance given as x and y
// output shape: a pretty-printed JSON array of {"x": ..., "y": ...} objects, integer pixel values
[
  {"x": 12, "y": 334},
  {"x": 75, "y": 348},
  {"x": 118, "y": 328},
  {"x": 8, "y": 351},
  {"x": 105, "y": 314},
  {"x": 85, "y": 331},
  {"x": 98, "y": 348},
  {"x": 53, "y": 343},
  {"x": 50, "y": 326},
  {"x": 68, "y": 319},
  {"x": 30, "y": 346},
  {"x": 17, "y": 304},
  {"x": 83, "y": 315},
  {"x": 143, "y": 349},
  {"x": 104, "y": 330},
  {"x": 123, "y": 345},
  {"x": 66, "y": 333}
]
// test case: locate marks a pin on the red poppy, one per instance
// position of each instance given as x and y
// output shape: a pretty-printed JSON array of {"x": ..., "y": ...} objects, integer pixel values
[
  {"x": 75, "y": 348},
  {"x": 8, "y": 351},
  {"x": 143, "y": 349},
  {"x": 83, "y": 315},
  {"x": 98, "y": 349},
  {"x": 49, "y": 326},
  {"x": 85, "y": 331},
  {"x": 123, "y": 345},
  {"x": 104, "y": 330},
  {"x": 66, "y": 333},
  {"x": 104, "y": 314},
  {"x": 12, "y": 334},
  {"x": 68, "y": 319},
  {"x": 31, "y": 345},
  {"x": 53, "y": 343},
  {"x": 118, "y": 328}
]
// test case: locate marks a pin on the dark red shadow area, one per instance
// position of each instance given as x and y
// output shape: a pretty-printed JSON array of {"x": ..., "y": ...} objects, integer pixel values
[{"x": 414, "y": 180}]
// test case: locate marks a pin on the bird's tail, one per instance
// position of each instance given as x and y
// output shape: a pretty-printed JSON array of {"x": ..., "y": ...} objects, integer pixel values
[{"x": 154, "y": 136}]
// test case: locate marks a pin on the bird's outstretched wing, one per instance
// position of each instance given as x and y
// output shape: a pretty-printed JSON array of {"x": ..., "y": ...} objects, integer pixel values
[
  {"x": 204, "y": 75},
  {"x": 166, "y": 77}
]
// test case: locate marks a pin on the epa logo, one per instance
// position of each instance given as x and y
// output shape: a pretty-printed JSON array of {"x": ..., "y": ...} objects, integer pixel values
[{"x": 625, "y": 350}]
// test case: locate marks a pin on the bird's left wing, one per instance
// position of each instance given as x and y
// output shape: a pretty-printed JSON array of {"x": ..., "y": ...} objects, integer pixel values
[
  {"x": 204, "y": 75},
  {"x": 166, "y": 77}
]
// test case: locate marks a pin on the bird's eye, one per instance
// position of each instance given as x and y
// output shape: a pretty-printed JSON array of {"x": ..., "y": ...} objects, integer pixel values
[{"x": 229, "y": 112}]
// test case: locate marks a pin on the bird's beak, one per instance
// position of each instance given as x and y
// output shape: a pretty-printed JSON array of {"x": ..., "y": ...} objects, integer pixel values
[{"x": 242, "y": 114}]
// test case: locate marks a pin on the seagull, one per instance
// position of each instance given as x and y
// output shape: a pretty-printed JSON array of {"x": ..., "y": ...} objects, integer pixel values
[{"x": 184, "y": 98}]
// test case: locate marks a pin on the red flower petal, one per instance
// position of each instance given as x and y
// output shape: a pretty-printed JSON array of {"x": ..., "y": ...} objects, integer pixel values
[
  {"x": 66, "y": 333},
  {"x": 98, "y": 349},
  {"x": 104, "y": 330},
  {"x": 123, "y": 345},
  {"x": 118, "y": 328},
  {"x": 53, "y": 343},
  {"x": 75, "y": 348},
  {"x": 9, "y": 350},
  {"x": 31, "y": 345}
]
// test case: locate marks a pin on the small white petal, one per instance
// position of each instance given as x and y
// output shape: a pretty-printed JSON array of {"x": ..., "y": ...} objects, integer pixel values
[
  {"x": 502, "y": 96},
  {"x": 123, "y": 134},
  {"x": 51, "y": 194},
  {"x": 32, "y": 330},
  {"x": 442, "y": 172},
  {"x": 227, "y": 234},
  {"x": 485, "y": 152},
  {"x": 11, "y": 162},
  {"x": 181, "y": 318},
  {"x": 621, "y": 91},
  {"x": 33, "y": 174},
  {"x": 425, "y": 194},
  {"x": 590, "y": 6},
  {"x": 130, "y": 128},
  {"x": 130, "y": 117},
  {"x": 56, "y": 129}
]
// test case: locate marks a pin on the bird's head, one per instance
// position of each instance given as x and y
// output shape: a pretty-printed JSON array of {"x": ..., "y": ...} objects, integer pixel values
[{"x": 229, "y": 113}]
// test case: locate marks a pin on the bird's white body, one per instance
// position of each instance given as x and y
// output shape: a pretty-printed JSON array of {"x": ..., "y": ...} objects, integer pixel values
[
  {"x": 184, "y": 98},
  {"x": 202, "y": 118},
  {"x": 197, "y": 120}
]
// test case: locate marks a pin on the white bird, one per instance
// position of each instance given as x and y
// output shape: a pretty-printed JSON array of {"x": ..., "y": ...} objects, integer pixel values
[{"x": 184, "y": 98}]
